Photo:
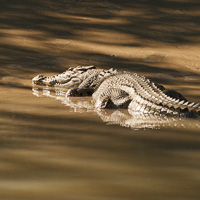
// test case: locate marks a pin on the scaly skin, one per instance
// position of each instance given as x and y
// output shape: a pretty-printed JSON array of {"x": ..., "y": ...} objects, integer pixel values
[
  {"x": 71, "y": 78},
  {"x": 113, "y": 89},
  {"x": 141, "y": 95},
  {"x": 91, "y": 81}
]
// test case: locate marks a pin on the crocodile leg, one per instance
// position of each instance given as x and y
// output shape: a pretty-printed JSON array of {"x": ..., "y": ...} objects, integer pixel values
[
  {"x": 145, "y": 96},
  {"x": 85, "y": 88},
  {"x": 113, "y": 98},
  {"x": 91, "y": 80}
]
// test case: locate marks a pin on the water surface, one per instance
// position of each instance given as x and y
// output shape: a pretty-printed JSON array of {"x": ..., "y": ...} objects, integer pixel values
[
  {"x": 51, "y": 150},
  {"x": 54, "y": 148}
]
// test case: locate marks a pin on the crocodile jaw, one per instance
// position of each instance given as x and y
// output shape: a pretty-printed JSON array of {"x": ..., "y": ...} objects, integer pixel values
[
  {"x": 38, "y": 80},
  {"x": 73, "y": 83},
  {"x": 71, "y": 78}
]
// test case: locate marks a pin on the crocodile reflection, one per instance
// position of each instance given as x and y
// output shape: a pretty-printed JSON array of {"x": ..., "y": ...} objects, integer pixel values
[{"x": 122, "y": 117}]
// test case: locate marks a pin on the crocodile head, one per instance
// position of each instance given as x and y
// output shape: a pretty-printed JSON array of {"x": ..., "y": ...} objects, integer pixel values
[
  {"x": 38, "y": 80},
  {"x": 68, "y": 79}
]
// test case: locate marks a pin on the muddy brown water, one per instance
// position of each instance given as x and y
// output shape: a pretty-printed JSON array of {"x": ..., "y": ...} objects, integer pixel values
[{"x": 57, "y": 148}]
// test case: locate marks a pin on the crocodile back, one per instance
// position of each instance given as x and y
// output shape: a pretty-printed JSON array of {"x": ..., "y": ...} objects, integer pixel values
[{"x": 145, "y": 96}]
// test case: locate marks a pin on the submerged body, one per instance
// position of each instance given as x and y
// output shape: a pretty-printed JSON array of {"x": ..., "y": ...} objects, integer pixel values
[{"x": 113, "y": 89}]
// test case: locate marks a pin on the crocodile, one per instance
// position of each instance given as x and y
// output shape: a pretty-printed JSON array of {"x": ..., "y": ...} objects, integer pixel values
[
  {"x": 141, "y": 94},
  {"x": 114, "y": 89}
]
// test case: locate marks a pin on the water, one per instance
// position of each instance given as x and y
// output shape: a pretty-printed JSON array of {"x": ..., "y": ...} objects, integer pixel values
[
  {"x": 56, "y": 149},
  {"x": 62, "y": 149}
]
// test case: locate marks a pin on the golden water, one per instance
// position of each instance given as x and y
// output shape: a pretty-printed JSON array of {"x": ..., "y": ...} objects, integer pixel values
[
  {"x": 51, "y": 150},
  {"x": 57, "y": 149}
]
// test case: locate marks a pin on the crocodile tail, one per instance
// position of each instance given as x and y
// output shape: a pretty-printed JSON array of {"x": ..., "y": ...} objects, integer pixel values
[
  {"x": 152, "y": 105},
  {"x": 188, "y": 106},
  {"x": 179, "y": 103}
]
